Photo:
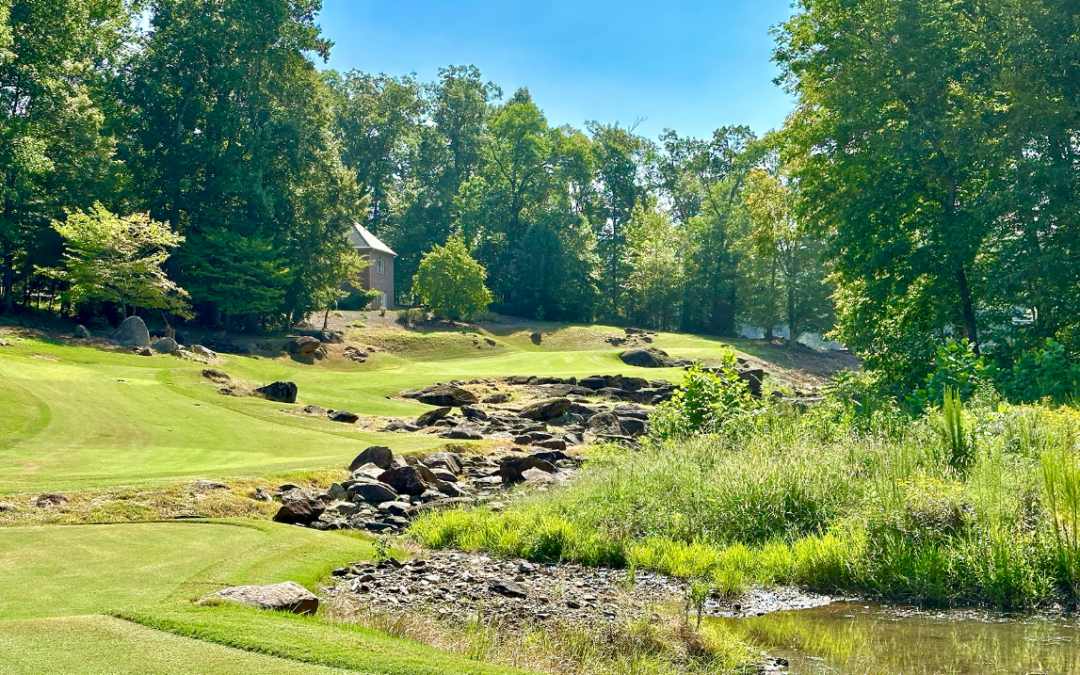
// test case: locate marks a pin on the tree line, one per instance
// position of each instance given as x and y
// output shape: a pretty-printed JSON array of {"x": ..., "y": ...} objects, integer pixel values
[{"x": 212, "y": 117}]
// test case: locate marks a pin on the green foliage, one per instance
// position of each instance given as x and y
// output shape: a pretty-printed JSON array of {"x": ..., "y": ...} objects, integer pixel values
[
  {"x": 957, "y": 368},
  {"x": 703, "y": 402},
  {"x": 451, "y": 282},
  {"x": 1046, "y": 372},
  {"x": 119, "y": 260}
]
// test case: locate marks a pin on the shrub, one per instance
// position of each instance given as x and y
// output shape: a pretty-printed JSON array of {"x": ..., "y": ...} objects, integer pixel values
[
  {"x": 956, "y": 367},
  {"x": 1047, "y": 372},
  {"x": 703, "y": 402},
  {"x": 451, "y": 282}
]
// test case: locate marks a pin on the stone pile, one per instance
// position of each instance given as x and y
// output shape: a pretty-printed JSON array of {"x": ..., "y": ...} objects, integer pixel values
[
  {"x": 459, "y": 585},
  {"x": 385, "y": 491}
]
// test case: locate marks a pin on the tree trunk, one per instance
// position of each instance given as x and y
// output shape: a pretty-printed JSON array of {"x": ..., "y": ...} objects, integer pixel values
[
  {"x": 793, "y": 335},
  {"x": 971, "y": 328}
]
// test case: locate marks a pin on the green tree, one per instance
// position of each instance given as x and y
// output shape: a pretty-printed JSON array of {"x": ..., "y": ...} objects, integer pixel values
[
  {"x": 119, "y": 260},
  {"x": 451, "y": 282},
  {"x": 54, "y": 154},
  {"x": 657, "y": 274},
  {"x": 783, "y": 260},
  {"x": 235, "y": 145}
]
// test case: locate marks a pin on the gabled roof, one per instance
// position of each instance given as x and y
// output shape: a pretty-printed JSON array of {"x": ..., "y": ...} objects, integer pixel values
[{"x": 363, "y": 240}]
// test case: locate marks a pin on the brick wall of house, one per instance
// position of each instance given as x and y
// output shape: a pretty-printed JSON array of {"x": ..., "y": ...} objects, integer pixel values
[{"x": 379, "y": 276}]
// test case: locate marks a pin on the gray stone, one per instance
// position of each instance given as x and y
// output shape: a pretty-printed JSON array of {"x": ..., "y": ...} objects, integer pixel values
[
  {"x": 432, "y": 416},
  {"x": 450, "y": 461},
  {"x": 379, "y": 455},
  {"x": 372, "y": 491},
  {"x": 50, "y": 499},
  {"x": 81, "y": 332},
  {"x": 543, "y": 411},
  {"x": 509, "y": 588},
  {"x": 282, "y": 392},
  {"x": 343, "y": 416},
  {"x": 511, "y": 469},
  {"x": 650, "y": 357},
  {"x": 288, "y": 596},
  {"x": 409, "y": 480},
  {"x": 368, "y": 470},
  {"x": 303, "y": 511},
  {"x": 447, "y": 396},
  {"x": 132, "y": 333},
  {"x": 204, "y": 352},
  {"x": 304, "y": 346},
  {"x": 165, "y": 345}
]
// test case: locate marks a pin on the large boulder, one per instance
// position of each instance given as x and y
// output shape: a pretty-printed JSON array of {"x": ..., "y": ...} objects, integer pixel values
[
  {"x": 165, "y": 345},
  {"x": 409, "y": 480},
  {"x": 288, "y": 596},
  {"x": 544, "y": 411},
  {"x": 433, "y": 416},
  {"x": 650, "y": 357},
  {"x": 512, "y": 468},
  {"x": 604, "y": 423},
  {"x": 282, "y": 392},
  {"x": 302, "y": 511},
  {"x": 450, "y": 461},
  {"x": 304, "y": 346},
  {"x": 379, "y": 455},
  {"x": 372, "y": 491},
  {"x": 343, "y": 416},
  {"x": 753, "y": 379},
  {"x": 132, "y": 333},
  {"x": 447, "y": 396},
  {"x": 81, "y": 332}
]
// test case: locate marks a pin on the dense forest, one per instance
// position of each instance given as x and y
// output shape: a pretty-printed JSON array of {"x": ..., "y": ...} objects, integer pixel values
[{"x": 925, "y": 187}]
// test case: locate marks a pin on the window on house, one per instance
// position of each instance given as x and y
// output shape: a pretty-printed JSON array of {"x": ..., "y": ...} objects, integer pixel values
[{"x": 379, "y": 266}]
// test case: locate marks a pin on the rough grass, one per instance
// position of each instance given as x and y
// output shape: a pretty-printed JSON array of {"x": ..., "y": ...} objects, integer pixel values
[{"x": 810, "y": 498}]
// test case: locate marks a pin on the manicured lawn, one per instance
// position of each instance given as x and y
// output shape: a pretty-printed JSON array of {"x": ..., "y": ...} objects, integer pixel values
[
  {"x": 79, "y": 417},
  {"x": 84, "y": 569},
  {"x": 102, "y": 645}
]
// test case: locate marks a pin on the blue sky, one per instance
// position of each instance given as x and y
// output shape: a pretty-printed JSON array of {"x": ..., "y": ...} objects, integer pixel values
[{"x": 691, "y": 65}]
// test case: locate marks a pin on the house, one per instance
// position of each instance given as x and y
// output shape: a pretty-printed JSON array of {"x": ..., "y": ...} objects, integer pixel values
[{"x": 379, "y": 275}]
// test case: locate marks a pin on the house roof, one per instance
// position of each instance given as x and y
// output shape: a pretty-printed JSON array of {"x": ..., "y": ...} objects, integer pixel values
[{"x": 363, "y": 240}]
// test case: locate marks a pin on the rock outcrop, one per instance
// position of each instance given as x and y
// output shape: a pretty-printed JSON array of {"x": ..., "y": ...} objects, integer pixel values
[
  {"x": 287, "y": 597},
  {"x": 132, "y": 332}
]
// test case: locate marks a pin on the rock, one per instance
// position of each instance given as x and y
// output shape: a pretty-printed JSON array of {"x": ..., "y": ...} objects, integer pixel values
[
  {"x": 501, "y": 397},
  {"x": 337, "y": 492},
  {"x": 81, "y": 332},
  {"x": 132, "y": 333},
  {"x": 633, "y": 427},
  {"x": 449, "y": 461},
  {"x": 395, "y": 508},
  {"x": 472, "y": 413},
  {"x": 204, "y": 352},
  {"x": 379, "y": 455},
  {"x": 282, "y": 392},
  {"x": 444, "y": 475},
  {"x": 165, "y": 345},
  {"x": 509, "y": 588},
  {"x": 409, "y": 480},
  {"x": 462, "y": 434},
  {"x": 207, "y": 485},
  {"x": 288, "y": 596},
  {"x": 144, "y": 351},
  {"x": 650, "y": 357},
  {"x": 371, "y": 491},
  {"x": 50, "y": 499},
  {"x": 432, "y": 416},
  {"x": 511, "y": 469},
  {"x": 605, "y": 422},
  {"x": 447, "y": 396},
  {"x": 215, "y": 375},
  {"x": 303, "y": 511},
  {"x": 753, "y": 379},
  {"x": 313, "y": 410},
  {"x": 543, "y": 411},
  {"x": 536, "y": 338},
  {"x": 551, "y": 444},
  {"x": 592, "y": 382},
  {"x": 304, "y": 346},
  {"x": 343, "y": 416}
]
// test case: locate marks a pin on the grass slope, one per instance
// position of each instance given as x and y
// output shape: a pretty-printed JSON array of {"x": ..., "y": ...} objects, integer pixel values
[
  {"x": 78, "y": 417},
  {"x": 84, "y": 569},
  {"x": 100, "y": 645}
]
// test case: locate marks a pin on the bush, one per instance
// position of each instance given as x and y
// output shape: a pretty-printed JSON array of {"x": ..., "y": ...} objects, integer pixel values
[
  {"x": 703, "y": 402},
  {"x": 956, "y": 368},
  {"x": 1046, "y": 372},
  {"x": 451, "y": 282}
]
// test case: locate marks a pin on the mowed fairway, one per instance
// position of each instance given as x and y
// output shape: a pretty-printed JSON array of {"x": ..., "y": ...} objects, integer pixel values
[
  {"x": 80, "y": 417},
  {"x": 57, "y": 584}
]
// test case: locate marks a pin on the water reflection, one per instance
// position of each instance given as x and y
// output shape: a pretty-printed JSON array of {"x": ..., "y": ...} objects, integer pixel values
[{"x": 855, "y": 639}]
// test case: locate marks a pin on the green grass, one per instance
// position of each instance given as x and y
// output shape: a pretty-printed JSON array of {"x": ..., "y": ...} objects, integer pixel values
[
  {"x": 84, "y": 569},
  {"x": 78, "y": 417},
  {"x": 100, "y": 645},
  {"x": 310, "y": 640}
]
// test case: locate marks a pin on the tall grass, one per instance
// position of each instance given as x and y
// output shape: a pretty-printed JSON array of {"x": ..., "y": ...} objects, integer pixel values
[{"x": 962, "y": 505}]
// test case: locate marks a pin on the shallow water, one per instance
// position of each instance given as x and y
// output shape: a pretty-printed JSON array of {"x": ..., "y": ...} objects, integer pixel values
[{"x": 858, "y": 639}]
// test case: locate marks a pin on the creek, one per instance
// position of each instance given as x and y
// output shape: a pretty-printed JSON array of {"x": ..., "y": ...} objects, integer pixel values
[{"x": 860, "y": 639}]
